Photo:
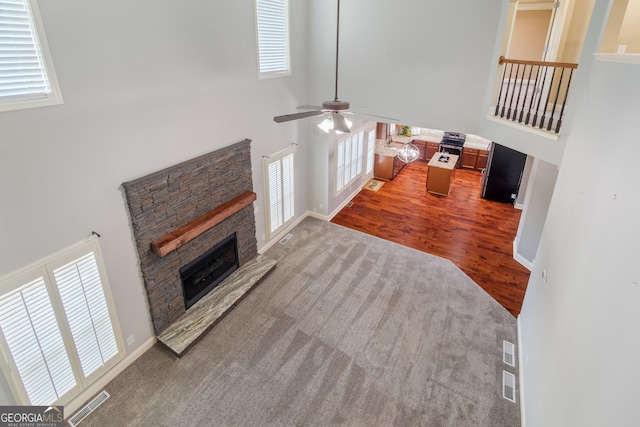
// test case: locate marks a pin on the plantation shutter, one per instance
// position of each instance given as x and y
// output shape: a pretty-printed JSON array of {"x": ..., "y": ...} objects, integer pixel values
[
  {"x": 272, "y": 17},
  {"x": 86, "y": 308},
  {"x": 23, "y": 74},
  {"x": 371, "y": 143},
  {"x": 287, "y": 187},
  {"x": 58, "y": 328},
  {"x": 275, "y": 195},
  {"x": 34, "y": 340},
  {"x": 340, "y": 166},
  {"x": 279, "y": 183}
]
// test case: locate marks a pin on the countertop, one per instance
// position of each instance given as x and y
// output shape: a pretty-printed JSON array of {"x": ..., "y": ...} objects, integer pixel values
[
  {"x": 472, "y": 141},
  {"x": 450, "y": 164},
  {"x": 385, "y": 149}
]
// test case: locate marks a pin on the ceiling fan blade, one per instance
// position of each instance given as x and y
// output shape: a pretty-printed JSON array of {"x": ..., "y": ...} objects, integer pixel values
[
  {"x": 296, "y": 116},
  {"x": 340, "y": 123},
  {"x": 365, "y": 115},
  {"x": 309, "y": 107}
]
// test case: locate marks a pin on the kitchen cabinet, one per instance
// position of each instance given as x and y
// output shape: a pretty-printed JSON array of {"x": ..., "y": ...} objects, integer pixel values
[
  {"x": 440, "y": 174},
  {"x": 422, "y": 147},
  {"x": 382, "y": 131},
  {"x": 469, "y": 158},
  {"x": 481, "y": 163},
  {"x": 431, "y": 148},
  {"x": 473, "y": 159},
  {"x": 386, "y": 167}
]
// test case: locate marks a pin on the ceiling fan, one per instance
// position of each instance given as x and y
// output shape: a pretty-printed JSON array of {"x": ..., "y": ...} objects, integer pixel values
[{"x": 335, "y": 107}]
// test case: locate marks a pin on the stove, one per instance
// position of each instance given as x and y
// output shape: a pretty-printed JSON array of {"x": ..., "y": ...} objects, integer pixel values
[{"x": 452, "y": 143}]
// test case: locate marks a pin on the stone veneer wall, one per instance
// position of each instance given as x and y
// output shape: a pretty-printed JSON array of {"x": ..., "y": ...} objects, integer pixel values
[{"x": 165, "y": 200}]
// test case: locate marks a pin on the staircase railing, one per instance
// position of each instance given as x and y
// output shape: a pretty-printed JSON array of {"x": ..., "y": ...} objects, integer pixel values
[{"x": 534, "y": 93}]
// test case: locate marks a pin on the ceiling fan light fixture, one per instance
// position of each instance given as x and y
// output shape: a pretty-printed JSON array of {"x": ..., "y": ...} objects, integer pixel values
[{"x": 335, "y": 122}]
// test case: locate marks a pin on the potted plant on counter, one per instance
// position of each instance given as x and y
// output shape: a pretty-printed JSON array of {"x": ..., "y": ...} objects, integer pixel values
[{"x": 406, "y": 130}]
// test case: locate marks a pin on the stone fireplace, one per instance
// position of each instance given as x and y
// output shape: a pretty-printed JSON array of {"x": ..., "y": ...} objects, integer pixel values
[{"x": 166, "y": 200}]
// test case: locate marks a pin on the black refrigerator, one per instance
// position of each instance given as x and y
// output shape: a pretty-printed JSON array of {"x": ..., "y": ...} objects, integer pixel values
[{"x": 502, "y": 176}]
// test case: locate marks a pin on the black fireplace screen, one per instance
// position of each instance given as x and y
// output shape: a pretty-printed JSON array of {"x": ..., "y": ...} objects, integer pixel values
[{"x": 207, "y": 271}]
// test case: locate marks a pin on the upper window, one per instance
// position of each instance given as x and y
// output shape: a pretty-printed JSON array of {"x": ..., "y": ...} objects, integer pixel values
[
  {"x": 27, "y": 78},
  {"x": 272, "y": 24}
]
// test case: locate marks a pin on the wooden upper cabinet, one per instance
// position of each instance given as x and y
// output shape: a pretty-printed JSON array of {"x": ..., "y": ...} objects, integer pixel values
[{"x": 382, "y": 131}]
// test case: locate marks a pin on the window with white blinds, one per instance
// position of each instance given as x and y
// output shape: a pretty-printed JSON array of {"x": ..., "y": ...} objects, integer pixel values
[
  {"x": 279, "y": 190},
  {"x": 27, "y": 77},
  {"x": 59, "y": 331},
  {"x": 349, "y": 159},
  {"x": 371, "y": 145},
  {"x": 272, "y": 28}
]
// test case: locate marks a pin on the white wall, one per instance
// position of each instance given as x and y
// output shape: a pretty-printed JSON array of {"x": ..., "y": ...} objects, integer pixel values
[
  {"x": 541, "y": 183},
  {"x": 579, "y": 329},
  {"x": 146, "y": 84}
]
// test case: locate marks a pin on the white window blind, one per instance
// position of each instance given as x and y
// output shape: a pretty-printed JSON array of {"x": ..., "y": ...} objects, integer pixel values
[
  {"x": 371, "y": 145},
  {"x": 279, "y": 182},
  {"x": 59, "y": 331},
  {"x": 27, "y": 78},
  {"x": 87, "y": 313},
  {"x": 272, "y": 27},
  {"x": 349, "y": 159},
  {"x": 34, "y": 339}
]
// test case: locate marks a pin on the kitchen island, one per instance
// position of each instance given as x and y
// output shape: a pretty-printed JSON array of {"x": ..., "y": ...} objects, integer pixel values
[{"x": 440, "y": 173}]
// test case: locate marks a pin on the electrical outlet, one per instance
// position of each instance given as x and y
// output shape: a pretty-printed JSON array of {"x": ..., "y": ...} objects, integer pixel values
[
  {"x": 130, "y": 340},
  {"x": 622, "y": 48},
  {"x": 321, "y": 206}
]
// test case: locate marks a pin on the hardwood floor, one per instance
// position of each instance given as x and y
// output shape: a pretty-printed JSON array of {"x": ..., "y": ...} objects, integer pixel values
[{"x": 476, "y": 234}]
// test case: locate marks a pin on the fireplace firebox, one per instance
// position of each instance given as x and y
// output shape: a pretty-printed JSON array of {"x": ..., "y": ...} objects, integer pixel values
[{"x": 207, "y": 271}]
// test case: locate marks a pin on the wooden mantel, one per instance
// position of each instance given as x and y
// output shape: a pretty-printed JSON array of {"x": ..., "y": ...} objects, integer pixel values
[{"x": 193, "y": 229}]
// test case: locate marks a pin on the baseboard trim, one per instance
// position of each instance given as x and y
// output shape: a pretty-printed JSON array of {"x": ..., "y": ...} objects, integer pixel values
[
  {"x": 97, "y": 386},
  {"x": 345, "y": 203},
  {"x": 322, "y": 217},
  {"x": 522, "y": 260},
  {"x": 280, "y": 235},
  {"x": 523, "y": 419}
]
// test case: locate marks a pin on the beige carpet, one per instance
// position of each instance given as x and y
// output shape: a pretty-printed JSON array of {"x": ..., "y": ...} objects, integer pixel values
[{"x": 348, "y": 330}]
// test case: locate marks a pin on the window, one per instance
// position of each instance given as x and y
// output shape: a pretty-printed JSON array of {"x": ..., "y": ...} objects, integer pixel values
[
  {"x": 349, "y": 159},
  {"x": 371, "y": 145},
  {"x": 27, "y": 78},
  {"x": 272, "y": 28},
  {"x": 279, "y": 177},
  {"x": 59, "y": 331}
]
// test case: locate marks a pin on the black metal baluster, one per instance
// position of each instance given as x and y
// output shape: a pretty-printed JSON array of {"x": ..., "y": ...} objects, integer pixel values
[
  {"x": 533, "y": 95},
  {"x": 564, "y": 102},
  {"x": 513, "y": 92},
  {"x": 555, "y": 101},
  {"x": 506, "y": 95},
  {"x": 535, "y": 116},
  {"x": 526, "y": 92},
  {"x": 515, "y": 112},
  {"x": 544, "y": 112}
]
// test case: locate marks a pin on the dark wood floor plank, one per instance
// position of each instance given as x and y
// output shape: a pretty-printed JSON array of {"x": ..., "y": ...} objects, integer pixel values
[{"x": 474, "y": 233}]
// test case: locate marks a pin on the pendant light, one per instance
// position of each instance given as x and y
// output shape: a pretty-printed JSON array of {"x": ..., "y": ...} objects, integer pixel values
[{"x": 408, "y": 153}]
